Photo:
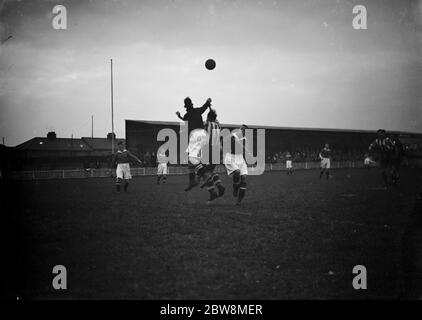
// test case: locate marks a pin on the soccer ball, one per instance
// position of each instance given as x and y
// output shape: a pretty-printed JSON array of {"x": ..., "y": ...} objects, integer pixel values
[{"x": 210, "y": 64}]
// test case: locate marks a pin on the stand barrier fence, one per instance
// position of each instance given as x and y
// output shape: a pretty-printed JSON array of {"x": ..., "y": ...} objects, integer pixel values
[{"x": 172, "y": 170}]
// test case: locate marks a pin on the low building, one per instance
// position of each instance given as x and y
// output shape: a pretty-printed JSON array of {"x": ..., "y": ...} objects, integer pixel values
[{"x": 51, "y": 152}]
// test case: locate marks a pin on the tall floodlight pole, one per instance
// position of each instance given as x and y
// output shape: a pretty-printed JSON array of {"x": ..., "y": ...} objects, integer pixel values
[
  {"x": 92, "y": 126},
  {"x": 112, "y": 110}
]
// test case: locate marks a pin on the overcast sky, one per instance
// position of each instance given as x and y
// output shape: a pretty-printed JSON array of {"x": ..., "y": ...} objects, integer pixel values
[{"x": 293, "y": 63}]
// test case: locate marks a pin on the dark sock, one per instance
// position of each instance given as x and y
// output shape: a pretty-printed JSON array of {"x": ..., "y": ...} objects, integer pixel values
[
  {"x": 215, "y": 178},
  {"x": 118, "y": 187},
  {"x": 200, "y": 170},
  {"x": 126, "y": 185},
  {"x": 220, "y": 188},
  {"x": 213, "y": 193},
  {"x": 242, "y": 192},
  {"x": 235, "y": 189},
  {"x": 164, "y": 179},
  {"x": 210, "y": 184},
  {"x": 236, "y": 180}
]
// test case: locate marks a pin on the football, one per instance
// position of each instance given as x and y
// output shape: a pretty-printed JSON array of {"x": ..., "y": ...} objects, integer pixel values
[{"x": 210, "y": 64}]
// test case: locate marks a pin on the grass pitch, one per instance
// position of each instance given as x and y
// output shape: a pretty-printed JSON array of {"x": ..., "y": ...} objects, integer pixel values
[{"x": 294, "y": 237}]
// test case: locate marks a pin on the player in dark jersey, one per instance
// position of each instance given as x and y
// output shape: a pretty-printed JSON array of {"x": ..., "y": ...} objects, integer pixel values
[
  {"x": 388, "y": 151},
  {"x": 121, "y": 160},
  {"x": 193, "y": 116},
  {"x": 325, "y": 156}
]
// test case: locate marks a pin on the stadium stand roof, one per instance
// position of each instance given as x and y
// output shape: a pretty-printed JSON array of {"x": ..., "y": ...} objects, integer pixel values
[
  {"x": 100, "y": 144},
  {"x": 227, "y": 125}
]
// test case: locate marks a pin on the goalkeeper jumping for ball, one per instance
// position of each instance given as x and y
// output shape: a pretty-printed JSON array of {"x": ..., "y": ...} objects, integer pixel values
[{"x": 195, "y": 124}]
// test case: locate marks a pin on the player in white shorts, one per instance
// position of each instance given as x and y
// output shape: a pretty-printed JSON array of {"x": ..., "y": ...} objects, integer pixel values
[
  {"x": 289, "y": 165},
  {"x": 197, "y": 140},
  {"x": 235, "y": 163},
  {"x": 162, "y": 170},
  {"x": 325, "y": 156},
  {"x": 368, "y": 162},
  {"x": 122, "y": 158}
]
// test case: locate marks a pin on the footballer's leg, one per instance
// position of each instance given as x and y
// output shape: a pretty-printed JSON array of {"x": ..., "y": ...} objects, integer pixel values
[
  {"x": 192, "y": 176},
  {"x": 210, "y": 186},
  {"x": 126, "y": 185},
  {"x": 395, "y": 171},
  {"x": 242, "y": 189},
  {"x": 118, "y": 183},
  {"x": 159, "y": 173},
  {"x": 217, "y": 183},
  {"x": 119, "y": 177},
  {"x": 164, "y": 175},
  {"x": 321, "y": 172},
  {"x": 384, "y": 163},
  {"x": 199, "y": 171},
  {"x": 236, "y": 182},
  {"x": 194, "y": 157}
]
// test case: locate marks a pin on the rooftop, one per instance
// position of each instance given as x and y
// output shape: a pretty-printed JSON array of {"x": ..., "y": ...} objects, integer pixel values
[
  {"x": 227, "y": 125},
  {"x": 66, "y": 144}
]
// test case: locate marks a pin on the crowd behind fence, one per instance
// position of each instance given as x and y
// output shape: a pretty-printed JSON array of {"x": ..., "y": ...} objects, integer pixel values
[{"x": 172, "y": 170}]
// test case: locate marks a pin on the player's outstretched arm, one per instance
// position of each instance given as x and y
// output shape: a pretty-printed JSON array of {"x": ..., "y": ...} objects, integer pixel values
[
  {"x": 134, "y": 157},
  {"x": 179, "y": 116},
  {"x": 206, "y": 105}
]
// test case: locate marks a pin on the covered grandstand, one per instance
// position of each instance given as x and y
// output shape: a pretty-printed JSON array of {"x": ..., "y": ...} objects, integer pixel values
[{"x": 303, "y": 143}]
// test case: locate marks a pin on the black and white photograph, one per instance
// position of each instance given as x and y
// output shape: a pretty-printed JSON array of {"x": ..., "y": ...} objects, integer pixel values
[{"x": 220, "y": 152}]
